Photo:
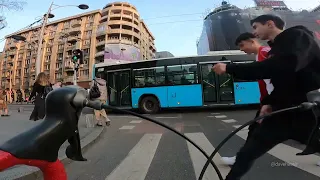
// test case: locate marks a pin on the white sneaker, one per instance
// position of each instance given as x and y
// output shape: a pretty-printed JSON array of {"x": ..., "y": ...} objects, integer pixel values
[{"x": 229, "y": 160}]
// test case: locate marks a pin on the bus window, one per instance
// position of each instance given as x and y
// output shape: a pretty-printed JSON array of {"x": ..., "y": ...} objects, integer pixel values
[
  {"x": 182, "y": 74},
  {"x": 149, "y": 77},
  {"x": 100, "y": 73}
]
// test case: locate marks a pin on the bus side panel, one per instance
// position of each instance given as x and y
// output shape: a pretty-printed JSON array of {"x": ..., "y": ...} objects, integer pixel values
[
  {"x": 246, "y": 93},
  {"x": 185, "y": 95},
  {"x": 160, "y": 92}
]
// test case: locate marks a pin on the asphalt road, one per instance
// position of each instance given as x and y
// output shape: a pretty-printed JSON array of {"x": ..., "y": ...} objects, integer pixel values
[{"x": 135, "y": 149}]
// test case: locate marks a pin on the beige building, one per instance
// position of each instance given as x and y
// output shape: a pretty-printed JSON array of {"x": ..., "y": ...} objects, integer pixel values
[{"x": 115, "y": 32}]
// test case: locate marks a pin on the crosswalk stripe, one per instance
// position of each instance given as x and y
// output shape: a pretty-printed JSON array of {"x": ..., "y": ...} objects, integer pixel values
[
  {"x": 135, "y": 166},
  {"x": 288, "y": 154},
  {"x": 199, "y": 160}
]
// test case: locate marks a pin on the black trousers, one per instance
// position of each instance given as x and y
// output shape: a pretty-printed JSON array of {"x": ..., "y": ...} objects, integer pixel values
[
  {"x": 272, "y": 131},
  {"x": 253, "y": 126},
  {"x": 38, "y": 110}
]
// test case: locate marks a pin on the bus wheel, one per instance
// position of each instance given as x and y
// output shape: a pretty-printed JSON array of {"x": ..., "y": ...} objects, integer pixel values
[{"x": 149, "y": 105}]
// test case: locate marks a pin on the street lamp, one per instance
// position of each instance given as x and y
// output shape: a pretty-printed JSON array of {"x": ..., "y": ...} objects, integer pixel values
[
  {"x": 46, "y": 16},
  {"x": 10, "y": 81}
]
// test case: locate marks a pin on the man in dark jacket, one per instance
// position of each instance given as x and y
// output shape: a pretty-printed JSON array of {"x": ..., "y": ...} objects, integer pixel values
[{"x": 294, "y": 69}]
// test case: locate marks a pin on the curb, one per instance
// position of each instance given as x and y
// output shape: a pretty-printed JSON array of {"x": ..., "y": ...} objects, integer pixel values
[{"x": 33, "y": 173}]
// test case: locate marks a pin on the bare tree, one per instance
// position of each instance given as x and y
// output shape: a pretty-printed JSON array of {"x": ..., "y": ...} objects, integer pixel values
[
  {"x": 3, "y": 22},
  {"x": 12, "y": 5},
  {"x": 15, "y": 5}
]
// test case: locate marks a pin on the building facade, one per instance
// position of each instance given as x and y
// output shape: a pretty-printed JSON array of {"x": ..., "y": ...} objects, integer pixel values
[
  {"x": 115, "y": 32},
  {"x": 224, "y": 24},
  {"x": 163, "y": 54}
]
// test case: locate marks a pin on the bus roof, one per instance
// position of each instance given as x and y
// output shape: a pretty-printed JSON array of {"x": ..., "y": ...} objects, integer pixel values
[{"x": 211, "y": 53}]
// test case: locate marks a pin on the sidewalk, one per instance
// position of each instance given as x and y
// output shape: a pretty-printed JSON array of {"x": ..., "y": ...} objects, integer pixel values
[{"x": 18, "y": 122}]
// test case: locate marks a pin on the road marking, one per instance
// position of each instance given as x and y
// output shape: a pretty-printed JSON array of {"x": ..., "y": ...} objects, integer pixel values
[
  {"x": 288, "y": 154},
  {"x": 136, "y": 121},
  {"x": 133, "y": 117},
  {"x": 126, "y": 127},
  {"x": 166, "y": 117},
  {"x": 214, "y": 113},
  {"x": 237, "y": 126},
  {"x": 198, "y": 160},
  {"x": 135, "y": 166},
  {"x": 229, "y": 121},
  {"x": 221, "y": 116}
]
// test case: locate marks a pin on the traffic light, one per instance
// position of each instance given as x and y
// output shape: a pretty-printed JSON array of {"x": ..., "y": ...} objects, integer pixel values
[{"x": 77, "y": 56}]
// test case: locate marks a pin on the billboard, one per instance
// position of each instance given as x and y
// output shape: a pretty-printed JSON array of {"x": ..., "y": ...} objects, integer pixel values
[
  {"x": 114, "y": 52},
  {"x": 270, "y": 3}
]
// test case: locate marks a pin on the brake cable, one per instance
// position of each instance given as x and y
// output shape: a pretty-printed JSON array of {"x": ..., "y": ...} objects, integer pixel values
[{"x": 98, "y": 106}]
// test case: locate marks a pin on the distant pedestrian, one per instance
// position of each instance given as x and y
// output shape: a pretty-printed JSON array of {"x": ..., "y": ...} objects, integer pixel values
[
  {"x": 99, "y": 86},
  {"x": 3, "y": 103},
  {"x": 41, "y": 88}
]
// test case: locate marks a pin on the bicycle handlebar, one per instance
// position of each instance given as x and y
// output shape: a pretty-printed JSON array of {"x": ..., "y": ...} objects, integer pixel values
[{"x": 39, "y": 146}]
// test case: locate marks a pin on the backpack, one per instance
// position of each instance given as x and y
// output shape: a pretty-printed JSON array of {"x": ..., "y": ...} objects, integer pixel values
[
  {"x": 94, "y": 91},
  {"x": 46, "y": 91}
]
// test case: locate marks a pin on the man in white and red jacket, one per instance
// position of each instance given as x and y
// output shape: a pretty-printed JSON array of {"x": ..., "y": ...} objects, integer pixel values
[{"x": 248, "y": 43}]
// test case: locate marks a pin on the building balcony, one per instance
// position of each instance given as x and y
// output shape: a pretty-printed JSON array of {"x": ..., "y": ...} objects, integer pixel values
[
  {"x": 68, "y": 48},
  {"x": 12, "y": 53},
  {"x": 113, "y": 41},
  {"x": 101, "y": 43},
  {"x": 100, "y": 53},
  {"x": 75, "y": 23},
  {"x": 114, "y": 31},
  {"x": 75, "y": 30},
  {"x": 69, "y": 79},
  {"x": 73, "y": 38},
  {"x": 127, "y": 16},
  {"x": 12, "y": 46},
  {"x": 101, "y": 33},
  {"x": 68, "y": 68}
]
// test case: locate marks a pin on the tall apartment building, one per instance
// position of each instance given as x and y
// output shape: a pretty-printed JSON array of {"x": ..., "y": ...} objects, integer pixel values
[{"x": 115, "y": 32}]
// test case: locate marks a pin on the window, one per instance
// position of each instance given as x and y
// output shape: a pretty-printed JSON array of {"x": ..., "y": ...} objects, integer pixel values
[
  {"x": 182, "y": 74},
  {"x": 84, "y": 72},
  {"x": 20, "y": 55},
  {"x": 149, "y": 77},
  {"x": 89, "y": 24},
  {"x": 48, "y": 49},
  {"x": 88, "y": 33},
  {"x": 61, "y": 46},
  {"x": 86, "y": 42},
  {"x": 58, "y": 75},
  {"x": 86, "y": 51},
  {"x": 47, "y": 66},
  {"x": 58, "y": 65},
  {"x": 27, "y": 61},
  {"x": 26, "y": 70},
  {"x": 90, "y": 17},
  {"x": 48, "y": 58}
]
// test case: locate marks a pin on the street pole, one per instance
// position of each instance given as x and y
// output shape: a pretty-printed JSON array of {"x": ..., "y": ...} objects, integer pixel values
[
  {"x": 10, "y": 86},
  {"x": 75, "y": 70},
  {"x": 44, "y": 23}
]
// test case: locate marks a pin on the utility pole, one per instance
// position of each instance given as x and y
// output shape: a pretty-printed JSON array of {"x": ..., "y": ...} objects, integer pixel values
[{"x": 44, "y": 23}]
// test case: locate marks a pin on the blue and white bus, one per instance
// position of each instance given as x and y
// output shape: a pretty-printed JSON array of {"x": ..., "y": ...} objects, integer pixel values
[{"x": 177, "y": 82}]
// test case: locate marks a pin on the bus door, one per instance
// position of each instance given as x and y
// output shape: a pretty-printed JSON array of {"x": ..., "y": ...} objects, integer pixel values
[
  {"x": 216, "y": 88},
  {"x": 246, "y": 92},
  {"x": 119, "y": 88}
]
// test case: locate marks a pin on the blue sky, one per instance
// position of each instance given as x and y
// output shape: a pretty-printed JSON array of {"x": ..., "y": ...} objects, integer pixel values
[{"x": 176, "y": 34}]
